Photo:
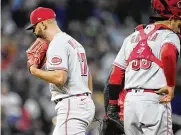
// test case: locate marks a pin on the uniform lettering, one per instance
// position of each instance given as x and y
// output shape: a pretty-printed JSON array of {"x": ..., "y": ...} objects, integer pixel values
[
  {"x": 73, "y": 43},
  {"x": 136, "y": 38},
  {"x": 145, "y": 64},
  {"x": 141, "y": 50},
  {"x": 140, "y": 63},
  {"x": 133, "y": 39},
  {"x": 154, "y": 37},
  {"x": 136, "y": 65},
  {"x": 83, "y": 63}
]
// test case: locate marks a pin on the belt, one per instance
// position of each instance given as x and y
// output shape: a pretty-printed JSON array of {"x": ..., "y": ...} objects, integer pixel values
[
  {"x": 145, "y": 90},
  {"x": 76, "y": 95}
]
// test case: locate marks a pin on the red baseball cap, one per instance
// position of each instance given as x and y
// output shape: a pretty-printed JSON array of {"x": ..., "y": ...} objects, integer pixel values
[{"x": 40, "y": 14}]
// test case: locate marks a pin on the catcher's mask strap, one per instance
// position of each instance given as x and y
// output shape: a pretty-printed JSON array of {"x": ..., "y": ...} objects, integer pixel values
[{"x": 140, "y": 28}]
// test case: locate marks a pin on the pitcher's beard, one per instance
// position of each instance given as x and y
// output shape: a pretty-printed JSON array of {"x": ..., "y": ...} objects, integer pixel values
[{"x": 40, "y": 36}]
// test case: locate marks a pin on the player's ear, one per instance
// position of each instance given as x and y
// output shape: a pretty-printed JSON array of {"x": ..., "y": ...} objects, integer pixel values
[{"x": 44, "y": 25}]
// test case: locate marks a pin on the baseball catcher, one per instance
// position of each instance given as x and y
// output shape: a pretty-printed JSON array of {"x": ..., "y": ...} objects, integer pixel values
[{"x": 147, "y": 64}]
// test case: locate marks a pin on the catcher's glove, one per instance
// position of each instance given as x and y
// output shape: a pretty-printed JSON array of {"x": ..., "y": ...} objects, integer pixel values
[
  {"x": 109, "y": 128},
  {"x": 36, "y": 54},
  {"x": 112, "y": 125}
]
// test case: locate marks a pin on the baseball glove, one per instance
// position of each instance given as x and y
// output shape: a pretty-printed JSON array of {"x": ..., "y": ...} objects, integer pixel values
[
  {"x": 113, "y": 116},
  {"x": 36, "y": 54},
  {"x": 109, "y": 128},
  {"x": 112, "y": 125}
]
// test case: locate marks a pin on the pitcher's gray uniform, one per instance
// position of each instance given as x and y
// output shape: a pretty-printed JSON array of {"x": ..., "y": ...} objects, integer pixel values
[
  {"x": 74, "y": 113},
  {"x": 142, "y": 109}
]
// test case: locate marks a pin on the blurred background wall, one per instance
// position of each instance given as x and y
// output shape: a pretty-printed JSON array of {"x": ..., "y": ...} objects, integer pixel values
[{"x": 99, "y": 25}]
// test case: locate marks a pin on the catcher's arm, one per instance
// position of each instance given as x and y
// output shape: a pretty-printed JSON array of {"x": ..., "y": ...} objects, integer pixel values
[
  {"x": 106, "y": 89},
  {"x": 115, "y": 84},
  {"x": 112, "y": 125},
  {"x": 113, "y": 88},
  {"x": 169, "y": 56},
  {"x": 116, "y": 80},
  {"x": 106, "y": 93}
]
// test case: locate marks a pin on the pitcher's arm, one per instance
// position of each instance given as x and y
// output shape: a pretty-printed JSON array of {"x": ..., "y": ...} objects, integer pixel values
[{"x": 90, "y": 83}]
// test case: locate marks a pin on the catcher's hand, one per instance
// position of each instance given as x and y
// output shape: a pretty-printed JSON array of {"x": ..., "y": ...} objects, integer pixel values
[
  {"x": 36, "y": 54},
  {"x": 167, "y": 94},
  {"x": 113, "y": 117}
]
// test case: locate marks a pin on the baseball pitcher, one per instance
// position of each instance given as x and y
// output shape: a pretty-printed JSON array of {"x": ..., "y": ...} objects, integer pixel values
[
  {"x": 147, "y": 63},
  {"x": 66, "y": 72}
]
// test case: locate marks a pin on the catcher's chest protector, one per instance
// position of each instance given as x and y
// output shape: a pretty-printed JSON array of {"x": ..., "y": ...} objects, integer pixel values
[{"x": 142, "y": 50}]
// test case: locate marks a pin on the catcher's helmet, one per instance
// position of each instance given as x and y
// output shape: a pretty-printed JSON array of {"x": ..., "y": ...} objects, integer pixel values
[{"x": 167, "y": 8}]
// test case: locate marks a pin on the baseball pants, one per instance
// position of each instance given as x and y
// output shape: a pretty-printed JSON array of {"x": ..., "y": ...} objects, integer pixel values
[
  {"x": 144, "y": 115},
  {"x": 74, "y": 115}
]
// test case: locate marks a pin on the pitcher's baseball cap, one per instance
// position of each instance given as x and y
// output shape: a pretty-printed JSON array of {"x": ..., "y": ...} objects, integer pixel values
[{"x": 40, "y": 14}]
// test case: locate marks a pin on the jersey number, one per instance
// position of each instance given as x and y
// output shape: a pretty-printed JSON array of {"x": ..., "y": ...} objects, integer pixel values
[
  {"x": 83, "y": 63},
  {"x": 143, "y": 64}
]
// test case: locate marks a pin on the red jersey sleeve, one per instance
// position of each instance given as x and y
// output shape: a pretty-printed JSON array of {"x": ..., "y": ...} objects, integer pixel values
[
  {"x": 168, "y": 58},
  {"x": 117, "y": 75}
]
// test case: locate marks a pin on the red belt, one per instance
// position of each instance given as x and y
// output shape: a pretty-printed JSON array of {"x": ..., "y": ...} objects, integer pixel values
[
  {"x": 76, "y": 95},
  {"x": 83, "y": 94},
  {"x": 145, "y": 90}
]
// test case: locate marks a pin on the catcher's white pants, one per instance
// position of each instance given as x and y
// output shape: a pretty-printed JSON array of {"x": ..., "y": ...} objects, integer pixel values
[
  {"x": 144, "y": 115},
  {"x": 74, "y": 114}
]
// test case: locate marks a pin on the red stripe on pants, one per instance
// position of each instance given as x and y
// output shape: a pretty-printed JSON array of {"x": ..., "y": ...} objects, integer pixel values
[
  {"x": 167, "y": 118},
  {"x": 66, "y": 121}
]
